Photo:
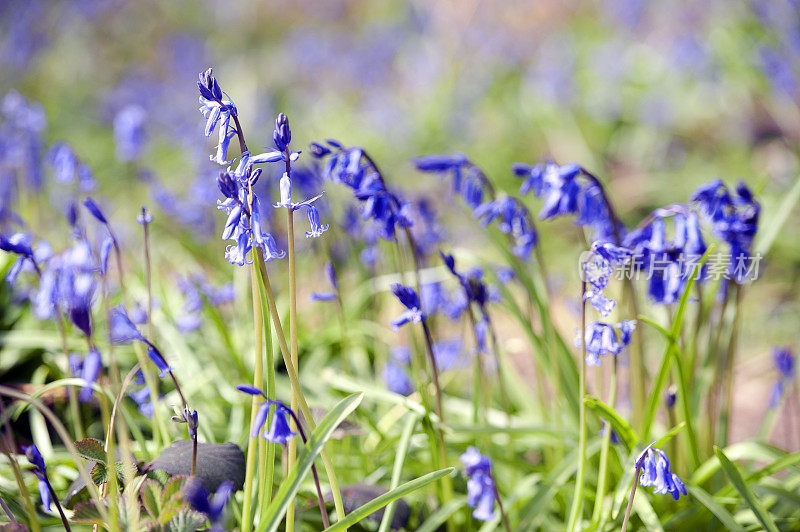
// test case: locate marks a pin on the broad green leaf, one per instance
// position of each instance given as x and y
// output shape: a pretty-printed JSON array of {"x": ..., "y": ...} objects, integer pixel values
[
  {"x": 379, "y": 502},
  {"x": 397, "y": 471},
  {"x": 150, "y": 495},
  {"x": 735, "y": 476},
  {"x": 99, "y": 473},
  {"x": 87, "y": 513},
  {"x": 316, "y": 441},
  {"x": 186, "y": 521},
  {"x": 91, "y": 449},
  {"x": 644, "y": 510},
  {"x": 625, "y": 432},
  {"x": 715, "y": 508}
]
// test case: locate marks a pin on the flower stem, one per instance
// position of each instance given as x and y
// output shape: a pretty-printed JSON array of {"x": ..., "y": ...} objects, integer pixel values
[
  {"x": 434, "y": 368},
  {"x": 577, "y": 498},
  {"x": 258, "y": 372},
  {"x": 24, "y": 494},
  {"x": 630, "y": 499},
  {"x": 602, "y": 474},
  {"x": 503, "y": 515},
  {"x": 730, "y": 363},
  {"x": 293, "y": 344},
  {"x": 320, "y": 499},
  {"x": 295, "y": 382},
  {"x": 54, "y": 496}
]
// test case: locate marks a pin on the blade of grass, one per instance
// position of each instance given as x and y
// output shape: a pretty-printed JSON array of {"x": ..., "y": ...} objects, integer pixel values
[
  {"x": 735, "y": 476},
  {"x": 715, "y": 508},
  {"x": 379, "y": 502},
  {"x": 399, "y": 460}
]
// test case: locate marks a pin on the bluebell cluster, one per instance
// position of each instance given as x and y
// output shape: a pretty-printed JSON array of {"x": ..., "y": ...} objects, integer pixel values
[
  {"x": 668, "y": 262},
  {"x": 657, "y": 472},
  {"x": 356, "y": 170},
  {"x": 469, "y": 182},
  {"x": 212, "y": 506},
  {"x": 481, "y": 488},
  {"x": 603, "y": 339},
  {"x": 784, "y": 361},
  {"x": 278, "y": 429},
  {"x": 570, "y": 190},
  {"x": 733, "y": 218},
  {"x": 246, "y": 221}
]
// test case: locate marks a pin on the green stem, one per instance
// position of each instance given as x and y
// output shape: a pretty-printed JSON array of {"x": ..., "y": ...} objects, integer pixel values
[
  {"x": 730, "y": 362},
  {"x": 577, "y": 497},
  {"x": 258, "y": 375},
  {"x": 292, "y": 447},
  {"x": 295, "y": 382},
  {"x": 630, "y": 499},
  {"x": 602, "y": 474}
]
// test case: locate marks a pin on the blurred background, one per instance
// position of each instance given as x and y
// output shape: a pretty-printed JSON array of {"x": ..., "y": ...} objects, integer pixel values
[{"x": 653, "y": 97}]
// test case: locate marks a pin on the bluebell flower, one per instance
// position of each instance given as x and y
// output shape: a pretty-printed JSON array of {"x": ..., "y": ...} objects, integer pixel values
[
  {"x": 468, "y": 180},
  {"x": 211, "y": 506},
  {"x": 601, "y": 340},
  {"x": 614, "y": 438},
  {"x": 409, "y": 298},
  {"x": 449, "y": 354},
  {"x": 40, "y": 470},
  {"x": 317, "y": 228},
  {"x": 144, "y": 217},
  {"x": 282, "y": 135},
  {"x": 105, "y": 253},
  {"x": 143, "y": 401},
  {"x": 396, "y": 378},
  {"x": 90, "y": 370},
  {"x": 18, "y": 243},
  {"x": 218, "y": 112},
  {"x": 94, "y": 209},
  {"x": 784, "y": 361},
  {"x": 285, "y": 187},
  {"x": 671, "y": 396},
  {"x": 130, "y": 134},
  {"x": 657, "y": 472},
  {"x": 481, "y": 488},
  {"x": 122, "y": 329},
  {"x": 278, "y": 430},
  {"x": 513, "y": 219},
  {"x": 330, "y": 273},
  {"x": 64, "y": 162},
  {"x": 158, "y": 360}
]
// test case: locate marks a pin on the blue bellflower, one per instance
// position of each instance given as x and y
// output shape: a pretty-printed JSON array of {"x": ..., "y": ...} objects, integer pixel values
[
  {"x": 784, "y": 361},
  {"x": 123, "y": 330},
  {"x": 130, "y": 134},
  {"x": 40, "y": 470},
  {"x": 657, "y": 472},
  {"x": 278, "y": 430},
  {"x": 211, "y": 506},
  {"x": 601, "y": 340},
  {"x": 409, "y": 298},
  {"x": 90, "y": 370},
  {"x": 330, "y": 273},
  {"x": 481, "y": 488}
]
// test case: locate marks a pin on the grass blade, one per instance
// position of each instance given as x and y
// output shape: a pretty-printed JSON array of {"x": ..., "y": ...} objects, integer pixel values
[
  {"x": 715, "y": 508},
  {"x": 379, "y": 502},
  {"x": 399, "y": 460},
  {"x": 744, "y": 490}
]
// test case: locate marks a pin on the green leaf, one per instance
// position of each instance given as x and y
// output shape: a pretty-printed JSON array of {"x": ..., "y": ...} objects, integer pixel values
[
  {"x": 379, "y": 502},
  {"x": 399, "y": 460},
  {"x": 744, "y": 490},
  {"x": 771, "y": 227},
  {"x": 625, "y": 432},
  {"x": 316, "y": 441},
  {"x": 715, "y": 508},
  {"x": 186, "y": 521},
  {"x": 99, "y": 473},
  {"x": 87, "y": 513},
  {"x": 442, "y": 514},
  {"x": 150, "y": 495},
  {"x": 91, "y": 449}
]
